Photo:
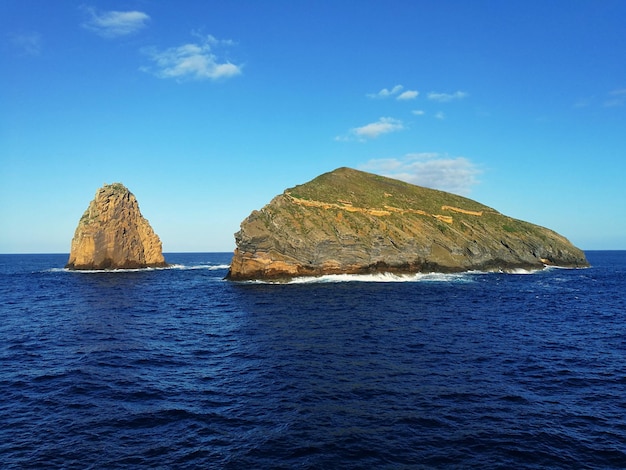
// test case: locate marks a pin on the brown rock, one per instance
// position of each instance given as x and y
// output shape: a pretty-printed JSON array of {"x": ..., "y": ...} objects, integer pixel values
[
  {"x": 112, "y": 234},
  {"x": 349, "y": 221}
]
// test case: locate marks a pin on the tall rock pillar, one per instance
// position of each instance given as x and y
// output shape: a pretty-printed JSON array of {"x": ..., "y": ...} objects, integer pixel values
[{"x": 112, "y": 234}]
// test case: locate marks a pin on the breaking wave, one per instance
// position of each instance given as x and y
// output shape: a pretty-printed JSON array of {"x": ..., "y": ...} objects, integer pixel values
[
  {"x": 209, "y": 267},
  {"x": 378, "y": 277},
  {"x": 468, "y": 276},
  {"x": 521, "y": 271},
  {"x": 330, "y": 278},
  {"x": 179, "y": 267}
]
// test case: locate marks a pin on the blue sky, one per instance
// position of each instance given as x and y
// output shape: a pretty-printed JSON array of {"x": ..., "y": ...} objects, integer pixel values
[{"x": 205, "y": 110}]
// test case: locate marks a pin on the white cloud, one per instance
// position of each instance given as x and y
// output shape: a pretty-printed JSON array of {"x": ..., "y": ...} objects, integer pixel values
[
  {"x": 432, "y": 170},
  {"x": 28, "y": 43},
  {"x": 384, "y": 125},
  {"x": 408, "y": 95},
  {"x": 583, "y": 103},
  {"x": 385, "y": 93},
  {"x": 612, "y": 99},
  {"x": 418, "y": 112},
  {"x": 616, "y": 98},
  {"x": 112, "y": 24},
  {"x": 440, "y": 115},
  {"x": 194, "y": 61},
  {"x": 445, "y": 97}
]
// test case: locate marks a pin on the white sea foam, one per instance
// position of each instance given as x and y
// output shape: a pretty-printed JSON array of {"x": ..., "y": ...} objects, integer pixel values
[
  {"x": 551, "y": 266},
  {"x": 467, "y": 276},
  {"x": 209, "y": 267},
  {"x": 182, "y": 267},
  {"x": 378, "y": 277},
  {"x": 112, "y": 271},
  {"x": 521, "y": 271},
  {"x": 546, "y": 267}
]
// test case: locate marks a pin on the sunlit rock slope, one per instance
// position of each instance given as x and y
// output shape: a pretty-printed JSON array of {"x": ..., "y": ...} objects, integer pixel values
[{"x": 113, "y": 234}]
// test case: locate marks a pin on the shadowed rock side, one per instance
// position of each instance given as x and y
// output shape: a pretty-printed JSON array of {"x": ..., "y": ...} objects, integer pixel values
[
  {"x": 112, "y": 234},
  {"x": 348, "y": 221}
]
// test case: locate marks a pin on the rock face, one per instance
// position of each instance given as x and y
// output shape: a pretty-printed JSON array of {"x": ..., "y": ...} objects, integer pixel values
[
  {"x": 348, "y": 221},
  {"x": 112, "y": 234}
]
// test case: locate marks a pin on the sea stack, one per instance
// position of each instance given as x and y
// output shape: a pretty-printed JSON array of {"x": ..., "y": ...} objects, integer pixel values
[
  {"x": 112, "y": 234},
  {"x": 352, "y": 222}
]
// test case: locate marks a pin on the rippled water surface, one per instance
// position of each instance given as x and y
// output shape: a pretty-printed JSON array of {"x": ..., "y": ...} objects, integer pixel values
[{"x": 177, "y": 368}]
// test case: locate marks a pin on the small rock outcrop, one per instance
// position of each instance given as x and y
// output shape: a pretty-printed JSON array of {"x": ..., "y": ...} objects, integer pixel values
[
  {"x": 349, "y": 221},
  {"x": 112, "y": 234}
]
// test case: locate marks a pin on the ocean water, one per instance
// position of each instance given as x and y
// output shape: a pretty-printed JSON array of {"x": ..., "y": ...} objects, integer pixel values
[{"x": 178, "y": 368}]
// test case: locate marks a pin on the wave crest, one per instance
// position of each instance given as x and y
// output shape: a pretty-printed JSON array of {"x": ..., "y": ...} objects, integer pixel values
[
  {"x": 378, "y": 277},
  {"x": 181, "y": 267}
]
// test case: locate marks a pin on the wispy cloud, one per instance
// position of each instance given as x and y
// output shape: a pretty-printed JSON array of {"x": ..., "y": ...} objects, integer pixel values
[
  {"x": 583, "y": 102},
  {"x": 433, "y": 170},
  {"x": 113, "y": 24},
  {"x": 408, "y": 95},
  {"x": 611, "y": 99},
  {"x": 395, "y": 91},
  {"x": 386, "y": 93},
  {"x": 194, "y": 61},
  {"x": 384, "y": 125},
  {"x": 616, "y": 98},
  {"x": 28, "y": 43},
  {"x": 446, "y": 97},
  {"x": 418, "y": 112},
  {"x": 440, "y": 115}
]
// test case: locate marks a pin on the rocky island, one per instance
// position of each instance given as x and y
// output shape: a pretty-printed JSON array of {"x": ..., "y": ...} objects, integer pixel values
[
  {"x": 112, "y": 234},
  {"x": 349, "y": 221}
]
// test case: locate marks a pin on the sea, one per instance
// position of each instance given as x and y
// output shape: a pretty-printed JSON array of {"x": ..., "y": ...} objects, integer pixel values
[{"x": 178, "y": 368}]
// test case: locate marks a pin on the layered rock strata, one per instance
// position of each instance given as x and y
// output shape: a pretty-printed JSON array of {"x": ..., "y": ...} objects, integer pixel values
[
  {"x": 348, "y": 221},
  {"x": 112, "y": 234}
]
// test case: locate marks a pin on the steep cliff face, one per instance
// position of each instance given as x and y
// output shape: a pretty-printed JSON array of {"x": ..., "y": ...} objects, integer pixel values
[
  {"x": 112, "y": 234},
  {"x": 348, "y": 221}
]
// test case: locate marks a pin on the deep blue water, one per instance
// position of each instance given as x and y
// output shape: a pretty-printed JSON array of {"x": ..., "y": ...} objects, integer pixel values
[{"x": 177, "y": 368}]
